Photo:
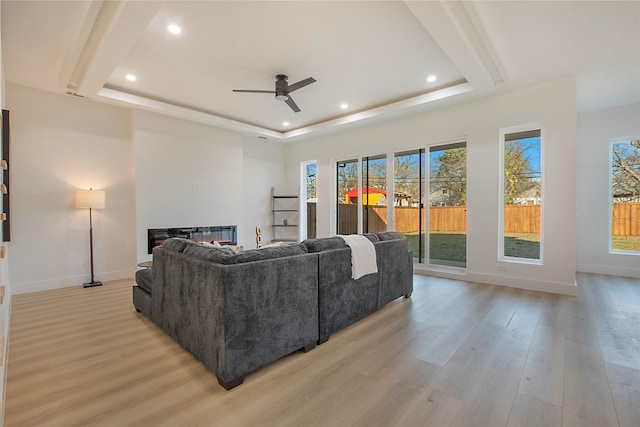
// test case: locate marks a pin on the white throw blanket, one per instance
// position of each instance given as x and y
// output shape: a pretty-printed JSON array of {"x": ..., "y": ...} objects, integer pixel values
[{"x": 363, "y": 255}]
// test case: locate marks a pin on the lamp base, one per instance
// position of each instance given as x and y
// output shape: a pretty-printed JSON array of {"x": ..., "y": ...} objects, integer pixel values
[{"x": 92, "y": 283}]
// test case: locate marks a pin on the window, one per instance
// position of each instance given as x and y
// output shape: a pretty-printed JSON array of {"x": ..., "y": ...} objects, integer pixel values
[
  {"x": 374, "y": 194},
  {"x": 347, "y": 187},
  {"x": 408, "y": 199},
  {"x": 308, "y": 200},
  {"x": 370, "y": 198},
  {"x": 448, "y": 205},
  {"x": 625, "y": 196},
  {"x": 521, "y": 220}
]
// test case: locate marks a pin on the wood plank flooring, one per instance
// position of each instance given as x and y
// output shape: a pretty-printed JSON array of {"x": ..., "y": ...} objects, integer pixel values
[{"x": 455, "y": 354}]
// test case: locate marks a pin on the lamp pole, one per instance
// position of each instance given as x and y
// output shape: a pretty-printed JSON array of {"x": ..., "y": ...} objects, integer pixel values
[
  {"x": 93, "y": 281},
  {"x": 92, "y": 200}
]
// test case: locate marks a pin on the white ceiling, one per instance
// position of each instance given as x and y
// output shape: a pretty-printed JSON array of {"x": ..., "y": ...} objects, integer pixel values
[{"x": 373, "y": 55}]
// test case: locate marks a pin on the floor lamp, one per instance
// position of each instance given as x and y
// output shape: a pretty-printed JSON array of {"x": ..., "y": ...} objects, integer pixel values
[{"x": 93, "y": 200}]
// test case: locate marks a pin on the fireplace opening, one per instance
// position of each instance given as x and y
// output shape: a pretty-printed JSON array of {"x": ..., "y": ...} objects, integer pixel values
[{"x": 223, "y": 234}]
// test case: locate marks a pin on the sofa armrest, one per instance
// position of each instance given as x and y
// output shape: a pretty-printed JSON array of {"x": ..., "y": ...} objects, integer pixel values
[
  {"x": 395, "y": 264},
  {"x": 341, "y": 299}
]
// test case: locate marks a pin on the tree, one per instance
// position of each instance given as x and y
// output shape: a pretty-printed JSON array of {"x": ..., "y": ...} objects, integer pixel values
[
  {"x": 407, "y": 176},
  {"x": 347, "y": 178},
  {"x": 519, "y": 174},
  {"x": 625, "y": 162},
  {"x": 449, "y": 173},
  {"x": 311, "y": 181},
  {"x": 375, "y": 173}
]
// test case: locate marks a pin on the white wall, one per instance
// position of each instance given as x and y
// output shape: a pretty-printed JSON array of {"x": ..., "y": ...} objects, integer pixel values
[
  {"x": 596, "y": 132},
  {"x": 264, "y": 167},
  {"x": 5, "y": 308},
  {"x": 60, "y": 144},
  {"x": 551, "y": 104},
  {"x": 187, "y": 174},
  {"x": 157, "y": 171}
]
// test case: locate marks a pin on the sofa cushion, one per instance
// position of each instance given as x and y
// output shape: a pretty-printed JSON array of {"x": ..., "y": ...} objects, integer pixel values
[
  {"x": 372, "y": 236},
  {"x": 390, "y": 235},
  {"x": 175, "y": 244},
  {"x": 324, "y": 244},
  {"x": 144, "y": 279},
  {"x": 219, "y": 255},
  {"x": 267, "y": 253}
]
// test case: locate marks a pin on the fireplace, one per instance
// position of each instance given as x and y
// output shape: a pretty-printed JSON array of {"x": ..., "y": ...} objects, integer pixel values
[{"x": 223, "y": 234}]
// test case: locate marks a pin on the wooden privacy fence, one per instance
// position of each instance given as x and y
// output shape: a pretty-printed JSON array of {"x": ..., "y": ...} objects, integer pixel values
[
  {"x": 625, "y": 219},
  {"x": 522, "y": 219},
  {"x": 443, "y": 218},
  {"x": 518, "y": 218}
]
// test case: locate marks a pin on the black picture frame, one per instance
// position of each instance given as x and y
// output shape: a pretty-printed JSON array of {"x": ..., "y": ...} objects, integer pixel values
[{"x": 6, "y": 176}]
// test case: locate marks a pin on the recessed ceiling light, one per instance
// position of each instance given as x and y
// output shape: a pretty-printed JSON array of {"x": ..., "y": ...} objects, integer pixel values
[
  {"x": 285, "y": 123},
  {"x": 344, "y": 105},
  {"x": 431, "y": 78},
  {"x": 131, "y": 77},
  {"x": 174, "y": 29}
]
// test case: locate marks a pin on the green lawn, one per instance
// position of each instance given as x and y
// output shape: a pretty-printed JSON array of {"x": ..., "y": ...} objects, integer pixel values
[
  {"x": 628, "y": 243},
  {"x": 521, "y": 245},
  {"x": 413, "y": 240},
  {"x": 448, "y": 247},
  {"x": 452, "y": 247}
]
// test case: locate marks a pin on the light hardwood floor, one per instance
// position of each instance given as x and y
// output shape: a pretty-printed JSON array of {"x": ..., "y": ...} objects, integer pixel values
[{"x": 455, "y": 354}]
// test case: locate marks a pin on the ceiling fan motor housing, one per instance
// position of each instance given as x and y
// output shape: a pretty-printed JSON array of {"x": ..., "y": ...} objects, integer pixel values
[{"x": 281, "y": 86}]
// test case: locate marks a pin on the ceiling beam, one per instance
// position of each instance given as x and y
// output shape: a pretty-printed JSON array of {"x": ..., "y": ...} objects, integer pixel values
[
  {"x": 147, "y": 104},
  {"x": 143, "y": 103},
  {"x": 386, "y": 111},
  {"x": 457, "y": 29},
  {"x": 81, "y": 29},
  {"x": 114, "y": 31}
]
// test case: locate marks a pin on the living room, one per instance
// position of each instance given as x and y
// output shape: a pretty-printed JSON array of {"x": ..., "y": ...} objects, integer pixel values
[{"x": 159, "y": 170}]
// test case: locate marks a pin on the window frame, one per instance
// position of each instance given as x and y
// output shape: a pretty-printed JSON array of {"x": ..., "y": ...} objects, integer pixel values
[
  {"x": 304, "y": 164},
  {"x": 336, "y": 193},
  {"x": 503, "y": 132},
  {"x": 610, "y": 249},
  {"x": 435, "y": 147},
  {"x": 423, "y": 204}
]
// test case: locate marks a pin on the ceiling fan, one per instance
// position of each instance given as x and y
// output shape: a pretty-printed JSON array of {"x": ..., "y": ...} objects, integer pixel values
[{"x": 283, "y": 89}]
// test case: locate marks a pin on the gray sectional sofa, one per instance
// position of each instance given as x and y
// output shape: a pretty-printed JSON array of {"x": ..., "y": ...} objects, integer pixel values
[{"x": 239, "y": 312}]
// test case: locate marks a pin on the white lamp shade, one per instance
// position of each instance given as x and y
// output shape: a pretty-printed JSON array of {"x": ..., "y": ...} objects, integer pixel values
[{"x": 90, "y": 199}]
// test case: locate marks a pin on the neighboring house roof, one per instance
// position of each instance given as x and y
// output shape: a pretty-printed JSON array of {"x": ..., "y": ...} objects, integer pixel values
[
  {"x": 623, "y": 193},
  {"x": 439, "y": 197},
  {"x": 529, "y": 196},
  {"x": 365, "y": 190}
]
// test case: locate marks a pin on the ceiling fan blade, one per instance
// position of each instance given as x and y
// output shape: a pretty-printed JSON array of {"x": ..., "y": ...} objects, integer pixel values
[
  {"x": 254, "y": 91},
  {"x": 300, "y": 84},
  {"x": 292, "y": 104}
]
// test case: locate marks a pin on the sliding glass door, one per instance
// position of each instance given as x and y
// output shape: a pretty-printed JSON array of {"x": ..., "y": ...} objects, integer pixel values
[
  {"x": 447, "y": 205},
  {"x": 374, "y": 194},
  {"x": 347, "y": 210},
  {"x": 408, "y": 200}
]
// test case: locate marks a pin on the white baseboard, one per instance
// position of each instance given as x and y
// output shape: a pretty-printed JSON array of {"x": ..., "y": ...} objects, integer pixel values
[
  {"x": 513, "y": 282},
  {"x": 65, "y": 282},
  {"x": 6, "y": 332},
  {"x": 610, "y": 270}
]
